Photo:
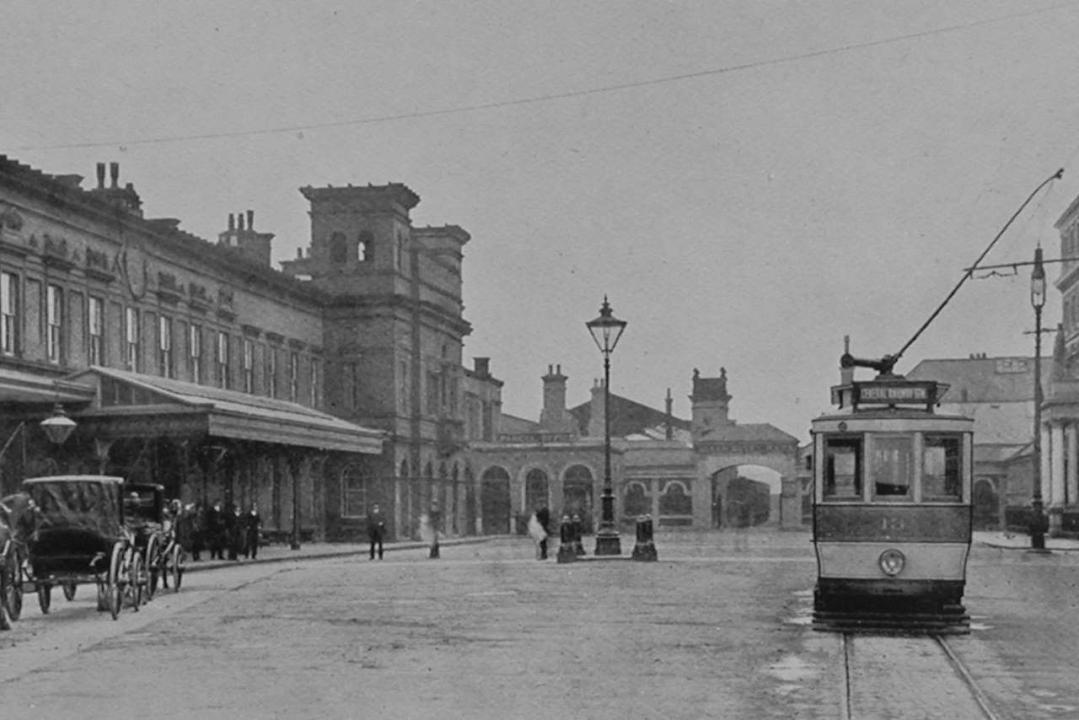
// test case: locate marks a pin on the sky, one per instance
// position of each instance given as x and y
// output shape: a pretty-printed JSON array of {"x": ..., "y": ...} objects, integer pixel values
[{"x": 748, "y": 182}]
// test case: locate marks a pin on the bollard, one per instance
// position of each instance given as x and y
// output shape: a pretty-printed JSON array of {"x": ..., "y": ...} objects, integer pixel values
[
  {"x": 645, "y": 549},
  {"x": 566, "y": 551}
]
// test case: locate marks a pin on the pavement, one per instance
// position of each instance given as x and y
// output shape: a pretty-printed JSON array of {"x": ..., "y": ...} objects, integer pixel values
[{"x": 282, "y": 552}]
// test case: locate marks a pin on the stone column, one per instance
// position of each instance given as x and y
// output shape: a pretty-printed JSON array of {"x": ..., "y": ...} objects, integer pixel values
[
  {"x": 1072, "y": 481},
  {"x": 1055, "y": 499}
]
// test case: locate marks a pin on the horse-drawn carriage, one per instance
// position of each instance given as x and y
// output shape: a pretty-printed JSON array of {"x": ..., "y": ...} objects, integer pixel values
[
  {"x": 147, "y": 517},
  {"x": 80, "y": 537}
]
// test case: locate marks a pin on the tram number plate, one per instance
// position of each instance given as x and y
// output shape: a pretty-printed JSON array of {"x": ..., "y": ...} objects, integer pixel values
[{"x": 891, "y": 525}]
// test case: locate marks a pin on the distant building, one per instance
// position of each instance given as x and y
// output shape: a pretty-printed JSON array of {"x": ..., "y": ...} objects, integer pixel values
[{"x": 684, "y": 473}]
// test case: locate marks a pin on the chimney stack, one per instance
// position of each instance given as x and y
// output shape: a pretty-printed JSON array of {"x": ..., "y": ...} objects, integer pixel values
[
  {"x": 114, "y": 173},
  {"x": 240, "y": 219},
  {"x": 250, "y": 219},
  {"x": 101, "y": 176},
  {"x": 232, "y": 222}
]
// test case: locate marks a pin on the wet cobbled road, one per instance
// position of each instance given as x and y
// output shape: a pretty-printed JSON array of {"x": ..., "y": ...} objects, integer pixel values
[{"x": 712, "y": 630}]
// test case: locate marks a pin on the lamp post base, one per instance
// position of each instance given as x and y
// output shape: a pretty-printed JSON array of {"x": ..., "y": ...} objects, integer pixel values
[{"x": 608, "y": 542}]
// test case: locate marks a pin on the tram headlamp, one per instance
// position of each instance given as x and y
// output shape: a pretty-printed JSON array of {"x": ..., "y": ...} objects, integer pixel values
[{"x": 892, "y": 562}]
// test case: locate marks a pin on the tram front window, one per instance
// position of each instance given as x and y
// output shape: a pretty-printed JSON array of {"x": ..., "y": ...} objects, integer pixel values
[
  {"x": 942, "y": 468},
  {"x": 842, "y": 468},
  {"x": 892, "y": 465}
]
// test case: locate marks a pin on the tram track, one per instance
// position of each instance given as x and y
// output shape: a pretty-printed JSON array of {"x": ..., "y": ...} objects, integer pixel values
[{"x": 900, "y": 673}]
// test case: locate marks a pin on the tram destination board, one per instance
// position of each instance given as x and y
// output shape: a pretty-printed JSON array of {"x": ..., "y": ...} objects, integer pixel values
[{"x": 889, "y": 392}]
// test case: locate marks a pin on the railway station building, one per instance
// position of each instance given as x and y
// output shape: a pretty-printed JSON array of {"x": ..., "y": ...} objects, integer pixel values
[{"x": 313, "y": 391}]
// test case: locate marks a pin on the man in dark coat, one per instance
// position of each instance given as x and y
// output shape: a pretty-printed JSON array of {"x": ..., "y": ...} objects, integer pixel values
[
  {"x": 215, "y": 531},
  {"x": 376, "y": 529},
  {"x": 252, "y": 529}
]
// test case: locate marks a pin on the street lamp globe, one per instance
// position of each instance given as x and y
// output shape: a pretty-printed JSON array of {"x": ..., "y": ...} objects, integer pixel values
[
  {"x": 606, "y": 329},
  {"x": 1037, "y": 282},
  {"x": 58, "y": 427}
]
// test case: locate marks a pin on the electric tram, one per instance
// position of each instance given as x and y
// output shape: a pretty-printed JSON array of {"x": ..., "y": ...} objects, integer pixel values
[{"x": 892, "y": 506}]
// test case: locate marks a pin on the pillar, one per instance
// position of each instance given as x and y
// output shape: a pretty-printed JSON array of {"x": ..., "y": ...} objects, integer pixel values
[
  {"x": 1055, "y": 499},
  {"x": 1072, "y": 481}
]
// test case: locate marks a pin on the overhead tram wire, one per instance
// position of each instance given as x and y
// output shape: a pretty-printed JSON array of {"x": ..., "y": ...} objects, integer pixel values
[
  {"x": 460, "y": 109},
  {"x": 889, "y": 361}
]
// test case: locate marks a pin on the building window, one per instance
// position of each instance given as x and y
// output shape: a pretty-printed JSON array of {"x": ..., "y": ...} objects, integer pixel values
[
  {"x": 365, "y": 252},
  {"x": 271, "y": 372},
  {"x": 9, "y": 311},
  {"x": 249, "y": 366},
  {"x": 354, "y": 372},
  {"x": 355, "y": 498},
  {"x": 96, "y": 312},
  {"x": 338, "y": 249},
  {"x": 314, "y": 382},
  {"x": 222, "y": 359},
  {"x": 131, "y": 339},
  {"x": 194, "y": 347},
  {"x": 404, "y": 387},
  {"x": 164, "y": 346},
  {"x": 432, "y": 393},
  {"x": 54, "y": 299},
  {"x": 293, "y": 376}
]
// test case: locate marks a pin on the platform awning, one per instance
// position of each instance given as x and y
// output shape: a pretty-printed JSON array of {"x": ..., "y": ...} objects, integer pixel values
[
  {"x": 129, "y": 404},
  {"x": 29, "y": 388}
]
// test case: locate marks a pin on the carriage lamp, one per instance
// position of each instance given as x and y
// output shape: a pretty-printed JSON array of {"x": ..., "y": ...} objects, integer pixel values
[
  {"x": 58, "y": 427},
  {"x": 892, "y": 562},
  {"x": 1038, "y": 524},
  {"x": 606, "y": 331}
]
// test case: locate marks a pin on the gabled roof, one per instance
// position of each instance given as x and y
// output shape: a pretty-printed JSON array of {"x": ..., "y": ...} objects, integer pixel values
[
  {"x": 750, "y": 432},
  {"x": 133, "y": 404},
  {"x": 627, "y": 417},
  {"x": 984, "y": 379}
]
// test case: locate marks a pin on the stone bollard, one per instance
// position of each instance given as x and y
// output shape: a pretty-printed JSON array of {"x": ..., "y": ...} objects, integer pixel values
[
  {"x": 566, "y": 551},
  {"x": 645, "y": 548}
]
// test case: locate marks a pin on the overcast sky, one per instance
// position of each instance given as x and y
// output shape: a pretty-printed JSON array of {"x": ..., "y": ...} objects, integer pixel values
[{"x": 747, "y": 181}]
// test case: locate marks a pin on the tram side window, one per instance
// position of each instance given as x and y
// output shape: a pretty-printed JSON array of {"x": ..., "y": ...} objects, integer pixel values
[
  {"x": 843, "y": 468},
  {"x": 942, "y": 468},
  {"x": 892, "y": 466}
]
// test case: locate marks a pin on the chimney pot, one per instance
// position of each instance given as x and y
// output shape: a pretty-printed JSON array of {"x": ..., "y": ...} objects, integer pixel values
[
  {"x": 250, "y": 219},
  {"x": 114, "y": 173},
  {"x": 232, "y": 222},
  {"x": 101, "y": 176},
  {"x": 299, "y": 253}
]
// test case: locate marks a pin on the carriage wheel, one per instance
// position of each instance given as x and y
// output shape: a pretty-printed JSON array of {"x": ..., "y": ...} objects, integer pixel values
[
  {"x": 114, "y": 583},
  {"x": 15, "y": 608},
  {"x": 135, "y": 579},
  {"x": 176, "y": 566},
  {"x": 44, "y": 597},
  {"x": 11, "y": 586},
  {"x": 102, "y": 596},
  {"x": 5, "y": 597},
  {"x": 152, "y": 567},
  {"x": 69, "y": 591}
]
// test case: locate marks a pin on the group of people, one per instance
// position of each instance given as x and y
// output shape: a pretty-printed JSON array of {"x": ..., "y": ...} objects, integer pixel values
[{"x": 223, "y": 530}]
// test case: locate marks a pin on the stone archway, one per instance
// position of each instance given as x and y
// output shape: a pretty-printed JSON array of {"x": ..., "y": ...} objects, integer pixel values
[
  {"x": 495, "y": 505},
  {"x": 745, "y": 496}
]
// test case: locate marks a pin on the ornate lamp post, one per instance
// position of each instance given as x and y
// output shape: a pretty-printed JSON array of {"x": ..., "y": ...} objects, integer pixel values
[
  {"x": 1037, "y": 300},
  {"x": 58, "y": 426},
  {"x": 606, "y": 331}
]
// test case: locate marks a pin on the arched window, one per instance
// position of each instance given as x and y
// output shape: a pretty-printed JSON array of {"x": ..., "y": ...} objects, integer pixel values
[
  {"x": 535, "y": 490},
  {"x": 365, "y": 251},
  {"x": 637, "y": 501},
  {"x": 338, "y": 249}
]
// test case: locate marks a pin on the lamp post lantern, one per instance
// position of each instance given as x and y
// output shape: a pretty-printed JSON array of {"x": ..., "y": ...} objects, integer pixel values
[
  {"x": 58, "y": 426},
  {"x": 606, "y": 331},
  {"x": 1037, "y": 300}
]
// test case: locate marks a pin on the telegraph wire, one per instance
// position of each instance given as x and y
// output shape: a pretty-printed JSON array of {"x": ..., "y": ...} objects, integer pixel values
[{"x": 569, "y": 94}]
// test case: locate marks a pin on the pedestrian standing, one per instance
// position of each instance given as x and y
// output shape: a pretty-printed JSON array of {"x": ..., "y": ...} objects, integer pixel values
[
  {"x": 538, "y": 534},
  {"x": 252, "y": 531},
  {"x": 376, "y": 529},
  {"x": 543, "y": 515},
  {"x": 215, "y": 531},
  {"x": 197, "y": 531},
  {"x": 435, "y": 517}
]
